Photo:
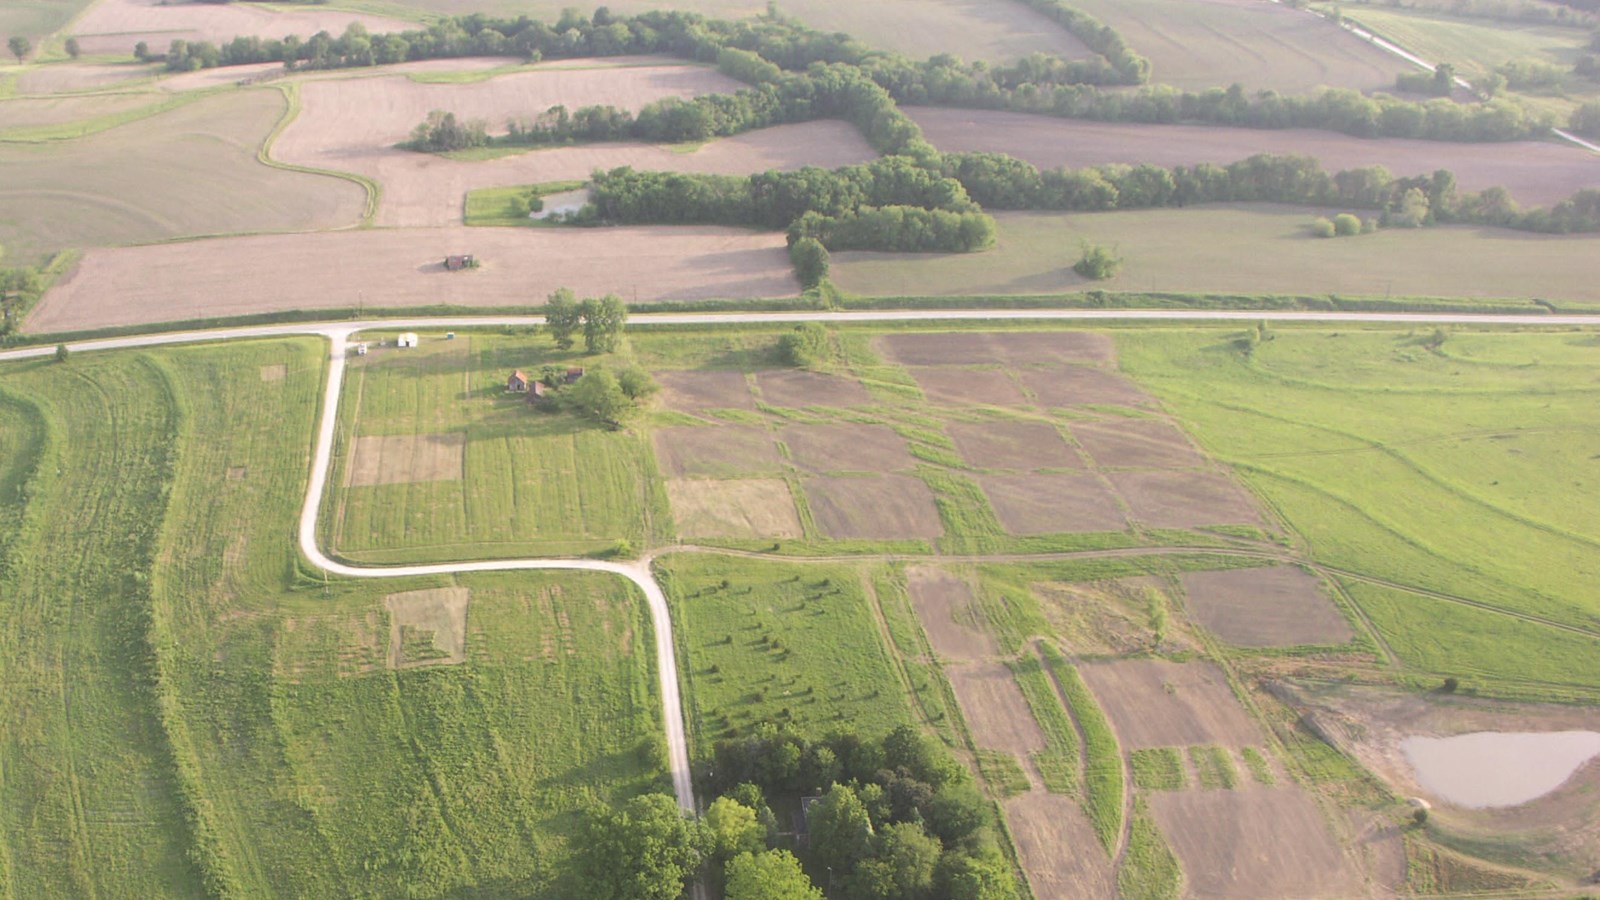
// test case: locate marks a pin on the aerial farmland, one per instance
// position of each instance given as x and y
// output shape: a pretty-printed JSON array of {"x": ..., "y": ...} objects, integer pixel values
[{"x": 942, "y": 449}]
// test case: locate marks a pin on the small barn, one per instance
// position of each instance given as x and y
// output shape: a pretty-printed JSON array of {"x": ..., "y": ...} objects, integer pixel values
[
  {"x": 519, "y": 382},
  {"x": 537, "y": 393},
  {"x": 460, "y": 261},
  {"x": 407, "y": 339},
  {"x": 574, "y": 373}
]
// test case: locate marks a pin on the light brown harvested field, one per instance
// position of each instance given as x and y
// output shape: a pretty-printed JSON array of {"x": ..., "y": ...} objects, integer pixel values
[
  {"x": 1037, "y": 347},
  {"x": 398, "y": 268},
  {"x": 1265, "y": 843},
  {"x": 699, "y": 390},
  {"x": 966, "y": 387},
  {"x": 439, "y": 614},
  {"x": 115, "y": 26},
  {"x": 748, "y": 507},
  {"x": 880, "y": 507},
  {"x": 1082, "y": 386},
  {"x": 798, "y": 387},
  {"x": 1271, "y": 607},
  {"x": 1537, "y": 173},
  {"x": 1136, "y": 443},
  {"x": 1104, "y": 618},
  {"x": 32, "y": 112},
  {"x": 406, "y": 458},
  {"x": 1156, "y": 703},
  {"x": 847, "y": 448},
  {"x": 1183, "y": 499},
  {"x": 1051, "y": 504},
  {"x": 61, "y": 78},
  {"x": 965, "y": 348},
  {"x": 1058, "y": 848},
  {"x": 1013, "y": 445},
  {"x": 716, "y": 452},
  {"x": 945, "y": 606},
  {"x": 957, "y": 348},
  {"x": 994, "y": 708}
]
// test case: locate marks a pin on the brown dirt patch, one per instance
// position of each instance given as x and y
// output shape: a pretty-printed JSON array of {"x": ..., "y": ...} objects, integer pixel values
[
  {"x": 1537, "y": 173},
  {"x": 405, "y": 458},
  {"x": 1081, "y": 386},
  {"x": 1013, "y": 445},
  {"x": 847, "y": 448},
  {"x": 62, "y": 77},
  {"x": 1258, "y": 843},
  {"x": 1058, "y": 848},
  {"x": 427, "y": 628},
  {"x": 960, "y": 348},
  {"x": 115, "y": 26},
  {"x": 994, "y": 708},
  {"x": 716, "y": 452},
  {"x": 968, "y": 387},
  {"x": 1137, "y": 443},
  {"x": 274, "y": 373},
  {"x": 1054, "y": 503},
  {"x": 32, "y": 112},
  {"x": 700, "y": 390},
  {"x": 968, "y": 348},
  {"x": 949, "y": 614},
  {"x": 403, "y": 267},
  {"x": 750, "y": 507},
  {"x": 799, "y": 388},
  {"x": 1169, "y": 499},
  {"x": 1156, "y": 703},
  {"x": 1037, "y": 347},
  {"x": 882, "y": 507},
  {"x": 1270, "y": 607}
]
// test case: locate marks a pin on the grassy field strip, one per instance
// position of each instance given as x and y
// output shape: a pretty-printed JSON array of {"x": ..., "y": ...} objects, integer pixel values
[
  {"x": 67, "y": 131},
  {"x": 1149, "y": 870},
  {"x": 1061, "y": 761},
  {"x": 1104, "y": 773}
]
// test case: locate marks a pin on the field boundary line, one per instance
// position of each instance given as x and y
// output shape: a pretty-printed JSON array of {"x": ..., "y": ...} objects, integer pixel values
[{"x": 291, "y": 95}]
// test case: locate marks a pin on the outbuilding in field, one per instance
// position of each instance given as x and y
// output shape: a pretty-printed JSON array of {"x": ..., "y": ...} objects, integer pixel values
[
  {"x": 537, "y": 393},
  {"x": 460, "y": 261},
  {"x": 574, "y": 373},
  {"x": 518, "y": 383},
  {"x": 408, "y": 339}
]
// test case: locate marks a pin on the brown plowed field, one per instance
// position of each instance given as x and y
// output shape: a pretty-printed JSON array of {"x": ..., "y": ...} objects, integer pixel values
[
  {"x": 1028, "y": 347},
  {"x": 1183, "y": 499},
  {"x": 882, "y": 507},
  {"x": 1058, "y": 848},
  {"x": 398, "y": 268},
  {"x": 1156, "y": 703},
  {"x": 1537, "y": 173},
  {"x": 1051, "y": 504},
  {"x": 994, "y": 708},
  {"x": 1271, "y": 607},
  {"x": 63, "y": 77},
  {"x": 1013, "y": 445},
  {"x": 32, "y": 112},
  {"x": 406, "y": 458},
  {"x": 1136, "y": 443},
  {"x": 947, "y": 610},
  {"x": 716, "y": 452},
  {"x": 1082, "y": 385},
  {"x": 697, "y": 390},
  {"x": 847, "y": 448},
  {"x": 966, "y": 348},
  {"x": 745, "y": 507},
  {"x": 960, "y": 348},
  {"x": 798, "y": 388},
  {"x": 115, "y": 26},
  {"x": 1267, "y": 843},
  {"x": 966, "y": 387}
]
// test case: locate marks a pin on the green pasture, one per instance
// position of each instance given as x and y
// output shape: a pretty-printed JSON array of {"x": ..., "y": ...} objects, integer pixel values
[{"x": 494, "y": 206}]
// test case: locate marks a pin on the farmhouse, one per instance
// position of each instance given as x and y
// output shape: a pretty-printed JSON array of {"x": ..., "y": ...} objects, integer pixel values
[
  {"x": 518, "y": 383},
  {"x": 407, "y": 339},
  {"x": 460, "y": 261}
]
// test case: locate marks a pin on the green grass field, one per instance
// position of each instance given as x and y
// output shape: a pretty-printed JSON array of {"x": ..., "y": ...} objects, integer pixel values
[
  {"x": 1238, "y": 249},
  {"x": 493, "y": 206}
]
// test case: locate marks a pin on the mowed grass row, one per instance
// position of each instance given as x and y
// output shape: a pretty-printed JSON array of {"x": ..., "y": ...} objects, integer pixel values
[
  {"x": 1102, "y": 758},
  {"x": 1058, "y": 763}
]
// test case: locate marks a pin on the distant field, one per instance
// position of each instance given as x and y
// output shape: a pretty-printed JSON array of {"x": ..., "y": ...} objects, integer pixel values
[
  {"x": 115, "y": 26},
  {"x": 28, "y": 114},
  {"x": 1244, "y": 248},
  {"x": 34, "y": 19},
  {"x": 186, "y": 172}
]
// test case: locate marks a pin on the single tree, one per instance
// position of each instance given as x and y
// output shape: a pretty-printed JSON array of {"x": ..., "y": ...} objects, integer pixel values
[
  {"x": 734, "y": 829},
  {"x": 20, "y": 46},
  {"x": 636, "y": 383},
  {"x": 1097, "y": 263},
  {"x": 806, "y": 345},
  {"x": 773, "y": 875},
  {"x": 1345, "y": 224},
  {"x": 910, "y": 855},
  {"x": 1444, "y": 79},
  {"x": 598, "y": 396},
  {"x": 562, "y": 317},
  {"x": 141, "y": 51},
  {"x": 602, "y": 323},
  {"x": 810, "y": 260},
  {"x": 73, "y": 50},
  {"x": 62, "y": 353},
  {"x": 841, "y": 830},
  {"x": 646, "y": 849},
  {"x": 1322, "y": 227}
]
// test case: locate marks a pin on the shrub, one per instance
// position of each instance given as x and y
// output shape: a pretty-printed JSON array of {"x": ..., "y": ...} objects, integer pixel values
[
  {"x": 806, "y": 345},
  {"x": 1345, "y": 224},
  {"x": 1098, "y": 263},
  {"x": 1322, "y": 227}
]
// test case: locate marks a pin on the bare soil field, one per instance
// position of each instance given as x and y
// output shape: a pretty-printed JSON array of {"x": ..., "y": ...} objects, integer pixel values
[
  {"x": 946, "y": 608},
  {"x": 225, "y": 75},
  {"x": 60, "y": 78},
  {"x": 1082, "y": 386},
  {"x": 1183, "y": 499},
  {"x": 1156, "y": 703},
  {"x": 750, "y": 507},
  {"x": 115, "y": 26},
  {"x": 800, "y": 388},
  {"x": 1265, "y": 843},
  {"x": 398, "y": 268},
  {"x": 406, "y": 458},
  {"x": 1211, "y": 43},
  {"x": 1013, "y": 445},
  {"x": 1537, "y": 173},
  {"x": 847, "y": 448},
  {"x": 716, "y": 452},
  {"x": 436, "y": 619},
  {"x": 1052, "y": 504},
  {"x": 1058, "y": 848},
  {"x": 1136, "y": 443},
  {"x": 1271, "y": 607},
  {"x": 959, "y": 348},
  {"x": 880, "y": 507},
  {"x": 966, "y": 348},
  {"x": 994, "y": 708},
  {"x": 1039, "y": 347},
  {"x": 31, "y": 112},
  {"x": 694, "y": 391},
  {"x": 968, "y": 387}
]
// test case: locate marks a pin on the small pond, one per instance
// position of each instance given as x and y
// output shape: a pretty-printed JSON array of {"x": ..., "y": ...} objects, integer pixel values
[
  {"x": 1498, "y": 768},
  {"x": 563, "y": 202}
]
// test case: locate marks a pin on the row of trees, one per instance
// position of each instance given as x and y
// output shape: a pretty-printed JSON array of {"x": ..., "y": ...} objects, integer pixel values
[
  {"x": 599, "y": 319},
  {"x": 897, "y": 229}
]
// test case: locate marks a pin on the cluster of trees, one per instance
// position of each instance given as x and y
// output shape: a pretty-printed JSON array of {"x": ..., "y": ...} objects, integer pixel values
[
  {"x": 599, "y": 319},
  {"x": 1130, "y": 67},
  {"x": 898, "y": 229},
  {"x": 1441, "y": 82},
  {"x": 1341, "y": 225},
  {"x": 806, "y": 345},
  {"x": 441, "y": 133},
  {"x": 19, "y": 288},
  {"x": 810, "y": 261},
  {"x": 1586, "y": 119}
]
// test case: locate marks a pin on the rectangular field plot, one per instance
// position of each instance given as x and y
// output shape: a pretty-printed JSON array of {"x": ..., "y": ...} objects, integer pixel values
[
  {"x": 968, "y": 387},
  {"x": 1013, "y": 445},
  {"x": 947, "y": 610},
  {"x": 1183, "y": 499},
  {"x": 847, "y": 448},
  {"x": 799, "y": 388},
  {"x": 881, "y": 507},
  {"x": 405, "y": 459},
  {"x": 1256, "y": 843},
  {"x": 1136, "y": 444},
  {"x": 1051, "y": 504},
  {"x": 1156, "y": 703},
  {"x": 1271, "y": 607},
  {"x": 700, "y": 390},
  {"x": 716, "y": 452},
  {"x": 1082, "y": 386},
  {"x": 994, "y": 708},
  {"x": 956, "y": 348},
  {"x": 733, "y": 508},
  {"x": 427, "y": 627},
  {"x": 1043, "y": 825},
  {"x": 967, "y": 348}
]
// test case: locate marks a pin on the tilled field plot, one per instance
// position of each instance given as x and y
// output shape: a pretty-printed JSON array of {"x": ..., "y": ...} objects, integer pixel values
[
  {"x": 1058, "y": 847},
  {"x": 945, "y": 606},
  {"x": 699, "y": 390},
  {"x": 882, "y": 507},
  {"x": 968, "y": 348},
  {"x": 1183, "y": 498},
  {"x": 1037, "y": 347},
  {"x": 1082, "y": 385},
  {"x": 1053, "y": 503},
  {"x": 799, "y": 388},
  {"x": 427, "y": 627},
  {"x": 1156, "y": 703},
  {"x": 847, "y": 448},
  {"x": 716, "y": 452},
  {"x": 968, "y": 387},
  {"x": 1137, "y": 444},
  {"x": 994, "y": 708},
  {"x": 960, "y": 348},
  {"x": 1013, "y": 445},
  {"x": 406, "y": 458},
  {"x": 1264, "y": 843},
  {"x": 1271, "y": 607},
  {"x": 733, "y": 508}
]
